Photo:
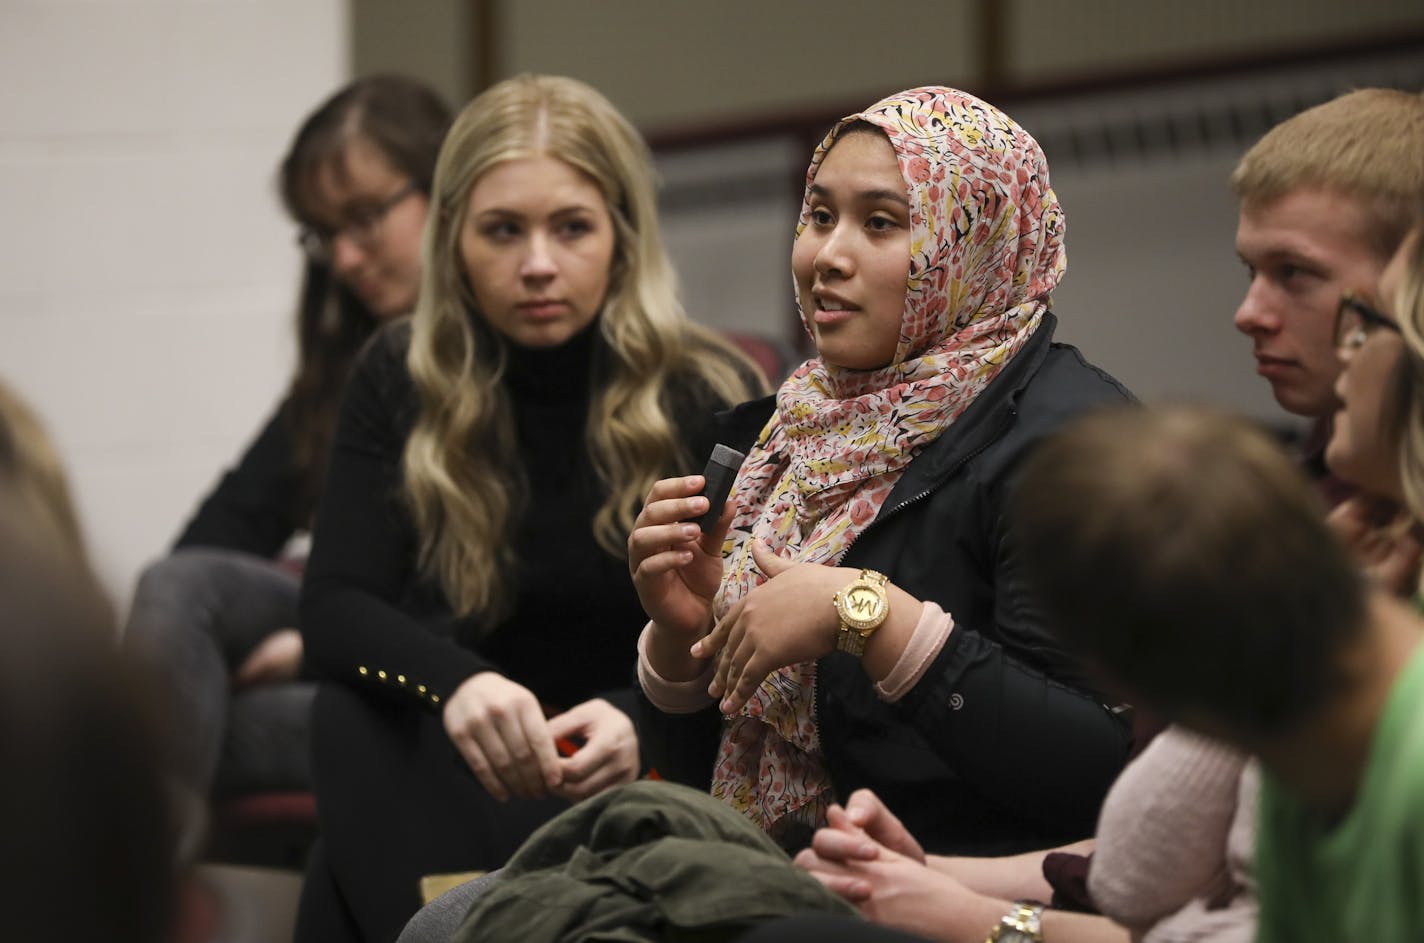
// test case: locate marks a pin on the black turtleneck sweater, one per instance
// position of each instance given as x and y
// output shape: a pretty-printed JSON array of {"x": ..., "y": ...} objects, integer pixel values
[{"x": 371, "y": 620}]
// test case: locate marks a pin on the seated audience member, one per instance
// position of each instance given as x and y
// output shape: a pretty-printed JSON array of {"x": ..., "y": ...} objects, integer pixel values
[
  {"x": 1377, "y": 443},
  {"x": 91, "y": 838},
  {"x": 1183, "y": 555},
  {"x": 1172, "y": 863},
  {"x": 928, "y": 246},
  {"x": 466, "y": 597},
  {"x": 1325, "y": 199},
  {"x": 217, "y": 617}
]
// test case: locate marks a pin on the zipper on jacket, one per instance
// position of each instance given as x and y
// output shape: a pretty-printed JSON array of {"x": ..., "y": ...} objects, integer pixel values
[
  {"x": 920, "y": 496},
  {"x": 914, "y": 499}
]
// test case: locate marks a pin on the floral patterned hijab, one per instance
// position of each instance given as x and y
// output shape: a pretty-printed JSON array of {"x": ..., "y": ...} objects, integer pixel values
[{"x": 986, "y": 250}]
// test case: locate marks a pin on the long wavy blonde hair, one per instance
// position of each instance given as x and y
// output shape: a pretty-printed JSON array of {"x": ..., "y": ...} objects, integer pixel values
[{"x": 462, "y": 479}]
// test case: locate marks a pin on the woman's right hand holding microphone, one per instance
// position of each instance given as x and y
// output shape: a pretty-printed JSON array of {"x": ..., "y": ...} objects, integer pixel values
[{"x": 676, "y": 570}]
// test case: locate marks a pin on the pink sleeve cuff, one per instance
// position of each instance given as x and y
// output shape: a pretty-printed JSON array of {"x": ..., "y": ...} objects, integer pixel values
[
  {"x": 924, "y": 646},
  {"x": 673, "y": 697}
]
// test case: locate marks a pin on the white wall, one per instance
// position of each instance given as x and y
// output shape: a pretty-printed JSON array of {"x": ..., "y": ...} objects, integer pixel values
[{"x": 147, "y": 274}]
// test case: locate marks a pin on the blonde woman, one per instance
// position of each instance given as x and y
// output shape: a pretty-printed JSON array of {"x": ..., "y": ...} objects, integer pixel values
[
  {"x": 467, "y": 592},
  {"x": 1377, "y": 440}
]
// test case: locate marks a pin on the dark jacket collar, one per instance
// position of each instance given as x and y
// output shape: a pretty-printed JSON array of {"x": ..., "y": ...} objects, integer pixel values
[{"x": 977, "y": 427}]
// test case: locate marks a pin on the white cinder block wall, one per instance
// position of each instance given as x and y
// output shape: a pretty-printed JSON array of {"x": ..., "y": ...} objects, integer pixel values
[{"x": 147, "y": 273}]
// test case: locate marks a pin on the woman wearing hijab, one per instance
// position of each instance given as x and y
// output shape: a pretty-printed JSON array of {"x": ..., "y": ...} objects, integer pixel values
[{"x": 858, "y": 617}]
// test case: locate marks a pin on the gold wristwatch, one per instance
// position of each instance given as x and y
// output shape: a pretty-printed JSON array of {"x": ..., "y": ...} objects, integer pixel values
[
  {"x": 863, "y": 607},
  {"x": 1020, "y": 925}
]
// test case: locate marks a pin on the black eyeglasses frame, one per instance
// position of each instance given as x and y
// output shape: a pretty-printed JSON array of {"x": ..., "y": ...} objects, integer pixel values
[
  {"x": 1368, "y": 320},
  {"x": 363, "y": 227}
]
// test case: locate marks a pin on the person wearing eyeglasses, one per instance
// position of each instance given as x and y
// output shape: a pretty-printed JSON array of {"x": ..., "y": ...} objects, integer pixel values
[
  {"x": 1324, "y": 199},
  {"x": 217, "y": 616},
  {"x": 1377, "y": 443}
]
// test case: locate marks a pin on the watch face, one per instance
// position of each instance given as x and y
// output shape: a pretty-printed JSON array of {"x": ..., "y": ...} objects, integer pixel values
[{"x": 863, "y": 604}]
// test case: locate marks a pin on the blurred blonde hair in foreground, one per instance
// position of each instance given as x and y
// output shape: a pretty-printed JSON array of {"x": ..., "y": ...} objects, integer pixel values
[
  {"x": 90, "y": 829},
  {"x": 32, "y": 475}
]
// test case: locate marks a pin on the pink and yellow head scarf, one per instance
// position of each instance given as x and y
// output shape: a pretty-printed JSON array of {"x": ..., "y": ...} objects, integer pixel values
[{"x": 986, "y": 247}]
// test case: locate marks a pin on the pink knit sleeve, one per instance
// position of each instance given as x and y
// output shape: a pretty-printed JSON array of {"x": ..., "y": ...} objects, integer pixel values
[
  {"x": 673, "y": 697},
  {"x": 1162, "y": 834},
  {"x": 925, "y": 644}
]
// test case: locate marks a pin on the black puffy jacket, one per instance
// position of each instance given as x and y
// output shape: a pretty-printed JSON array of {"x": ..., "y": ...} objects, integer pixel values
[{"x": 1002, "y": 746}]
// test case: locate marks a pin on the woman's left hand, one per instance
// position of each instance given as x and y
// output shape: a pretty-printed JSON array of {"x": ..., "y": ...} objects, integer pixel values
[
  {"x": 609, "y": 755},
  {"x": 1379, "y": 534},
  {"x": 276, "y": 658},
  {"x": 860, "y": 828},
  {"x": 891, "y": 889},
  {"x": 787, "y": 620}
]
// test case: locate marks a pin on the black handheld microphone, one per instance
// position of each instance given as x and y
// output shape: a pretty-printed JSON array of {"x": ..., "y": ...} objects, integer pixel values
[{"x": 721, "y": 470}]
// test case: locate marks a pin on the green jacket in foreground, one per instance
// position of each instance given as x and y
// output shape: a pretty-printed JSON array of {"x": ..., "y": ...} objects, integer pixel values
[{"x": 651, "y": 861}]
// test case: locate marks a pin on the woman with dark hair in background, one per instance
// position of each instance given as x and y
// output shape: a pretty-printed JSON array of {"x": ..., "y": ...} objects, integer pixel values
[{"x": 219, "y": 614}]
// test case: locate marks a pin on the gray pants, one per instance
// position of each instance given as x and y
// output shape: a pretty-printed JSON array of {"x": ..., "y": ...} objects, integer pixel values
[{"x": 196, "y": 615}]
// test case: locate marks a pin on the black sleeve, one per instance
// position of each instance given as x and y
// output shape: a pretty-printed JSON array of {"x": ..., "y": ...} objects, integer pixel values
[
  {"x": 1020, "y": 721},
  {"x": 682, "y": 748},
  {"x": 364, "y": 550},
  {"x": 1003, "y": 698},
  {"x": 256, "y": 506},
  {"x": 1003, "y": 706}
]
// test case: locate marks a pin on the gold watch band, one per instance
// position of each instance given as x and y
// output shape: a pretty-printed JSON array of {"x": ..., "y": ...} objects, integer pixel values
[
  {"x": 850, "y": 641},
  {"x": 1023, "y": 924}
]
